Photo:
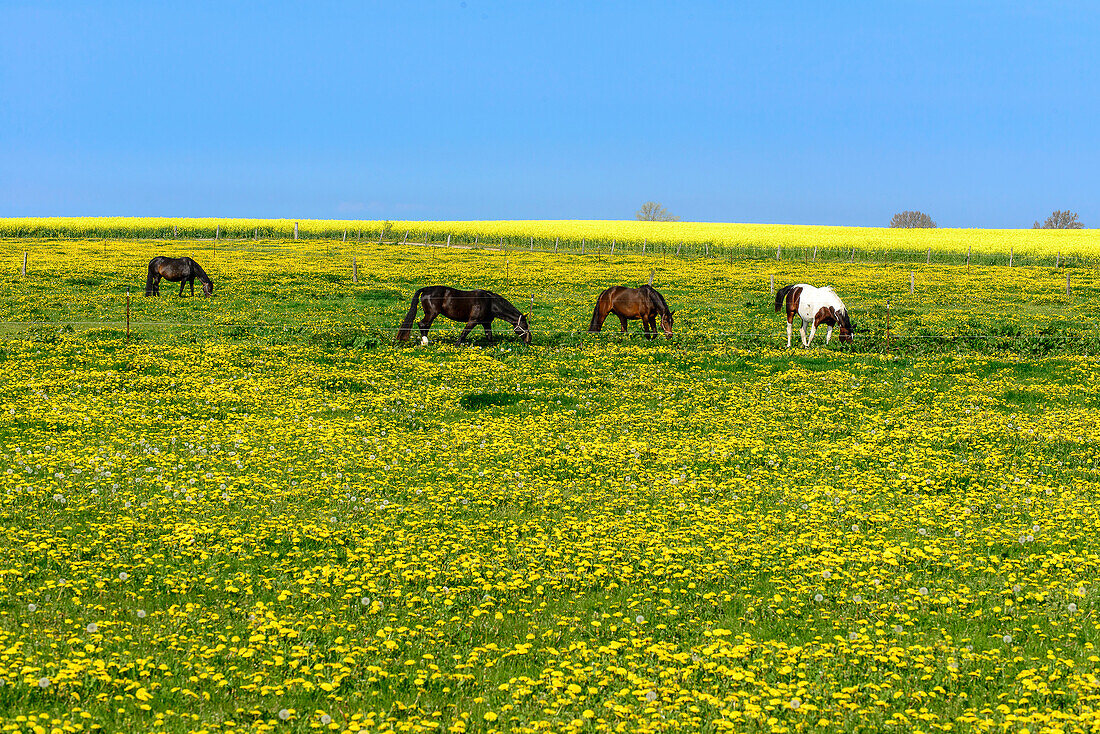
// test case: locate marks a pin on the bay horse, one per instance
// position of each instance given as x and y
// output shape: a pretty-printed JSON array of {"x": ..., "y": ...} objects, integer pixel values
[
  {"x": 183, "y": 270},
  {"x": 816, "y": 306},
  {"x": 474, "y": 307},
  {"x": 643, "y": 303}
]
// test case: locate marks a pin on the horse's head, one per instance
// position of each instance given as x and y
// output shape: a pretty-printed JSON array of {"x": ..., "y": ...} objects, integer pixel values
[
  {"x": 208, "y": 288},
  {"x": 666, "y": 323},
  {"x": 523, "y": 329},
  {"x": 845, "y": 328}
]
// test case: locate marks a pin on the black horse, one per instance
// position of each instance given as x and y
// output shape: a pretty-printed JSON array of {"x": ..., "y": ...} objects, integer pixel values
[
  {"x": 474, "y": 307},
  {"x": 176, "y": 269}
]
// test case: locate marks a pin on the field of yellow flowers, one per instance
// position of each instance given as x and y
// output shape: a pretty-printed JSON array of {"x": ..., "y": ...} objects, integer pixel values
[
  {"x": 741, "y": 241},
  {"x": 259, "y": 513}
]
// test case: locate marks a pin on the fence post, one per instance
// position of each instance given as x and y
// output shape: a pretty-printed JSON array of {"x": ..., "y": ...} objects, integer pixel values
[
  {"x": 556, "y": 243},
  {"x": 1067, "y": 283},
  {"x": 968, "y": 250},
  {"x": 448, "y": 239},
  {"x": 406, "y": 239},
  {"x": 910, "y": 282},
  {"x": 1010, "y": 253},
  {"x": 354, "y": 270},
  {"x": 929, "y": 261},
  {"x": 24, "y": 262},
  {"x": 582, "y": 245},
  {"x": 1058, "y": 261},
  {"x": 475, "y": 238},
  {"x": 255, "y": 234},
  {"x": 345, "y": 235},
  {"x": 643, "y": 251},
  {"x": 217, "y": 232},
  {"x": 681, "y": 244},
  {"x": 359, "y": 236},
  {"x": 532, "y": 244},
  {"x": 127, "y": 314},
  {"x": 706, "y": 249},
  {"x": 771, "y": 283},
  {"x": 612, "y": 247},
  {"x": 888, "y": 324},
  {"x": 175, "y": 232},
  {"x": 779, "y": 251},
  {"x": 815, "y": 253},
  {"x": 295, "y": 230},
  {"x": 651, "y": 276}
]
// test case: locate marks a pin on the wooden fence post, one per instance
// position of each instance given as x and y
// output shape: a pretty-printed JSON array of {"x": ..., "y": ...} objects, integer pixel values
[
  {"x": 24, "y": 262},
  {"x": 295, "y": 230},
  {"x": 706, "y": 249},
  {"x": 354, "y": 270},
  {"x": 217, "y": 232},
  {"x": 406, "y": 239},
  {"x": 771, "y": 283},
  {"x": 448, "y": 239},
  {"x": 127, "y": 314},
  {"x": 929, "y": 261},
  {"x": 175, "y": 232},
  {"x": 815, "y": 254},
  {"x": 681, "y": 244},
  {"x": 345, "y": 235},
  {"x": 532, "y": 244},
  {"x": 1010, "y": 253},
  {"x": 255, "y": 234},
  {"x": 910, "y": 282},
  {"x": 968, "y": 250},
  {"x": 556, "y": 243},
  {"x": 1058, "y": 260},
  {"x": 643, "y": 249},
  {"x": 779, "y": 251},
  {"x": 612, "y": 247},
  {"x": 582, "y": 245},
  {"x": 651, "y": 276}
]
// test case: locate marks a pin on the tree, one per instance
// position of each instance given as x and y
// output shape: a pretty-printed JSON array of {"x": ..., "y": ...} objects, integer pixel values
[
  {"x": 652, "y": 211},
  {"x": 909, "y": 220},
  {"x": 1060, "y": 220}
]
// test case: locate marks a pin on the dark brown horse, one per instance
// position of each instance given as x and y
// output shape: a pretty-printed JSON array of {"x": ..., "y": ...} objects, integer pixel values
[
  {"x": 643, "y": 303},
  {"x": 176, "y": 269},
  {"x": 474, "y": 307}
]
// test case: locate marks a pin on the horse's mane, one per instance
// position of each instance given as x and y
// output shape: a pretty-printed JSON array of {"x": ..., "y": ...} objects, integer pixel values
[
  {"x": 201, "y": 273},
  {"x": 504, "y": 304},
  {"x": 655, "y": 298}
]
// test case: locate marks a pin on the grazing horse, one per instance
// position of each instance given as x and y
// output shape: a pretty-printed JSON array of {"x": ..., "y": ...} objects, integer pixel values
[
  {"x": 643, "y": 303},
  {"x": 816, "y": 306},
  {"x": 176, "y": 269},
  {"x": 474, "y": 307}
]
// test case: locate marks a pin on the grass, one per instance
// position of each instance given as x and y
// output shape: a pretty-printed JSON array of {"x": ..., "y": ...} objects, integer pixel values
[{"x": 261, "y": 504}]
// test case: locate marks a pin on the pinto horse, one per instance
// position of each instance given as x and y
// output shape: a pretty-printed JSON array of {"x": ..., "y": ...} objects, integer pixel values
[
  {"x": 816, "y": 306},
  {"x": 643, "y": 303},
  {"x": 176, "y": 269},
  {"x": 474, "y": 307}
]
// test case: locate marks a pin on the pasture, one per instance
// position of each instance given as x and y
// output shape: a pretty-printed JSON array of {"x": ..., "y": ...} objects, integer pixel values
[{"x": 259, "y": 513}]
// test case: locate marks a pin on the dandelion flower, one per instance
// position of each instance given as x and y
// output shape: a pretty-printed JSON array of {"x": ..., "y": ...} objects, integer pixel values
[
  {"x": 91, "y": 628},
  {"x": 1071, "y": 607},
  {"x": 123, "y": 576},
  {"x": 32, "y": 607},
  {"x": 326, "y": 719},
  {"x": 284, "y": 714},
  {"x": 43, "y": 682},
  {"x": 1007, "y": 639},
  {"x": 651, "y": 696}
]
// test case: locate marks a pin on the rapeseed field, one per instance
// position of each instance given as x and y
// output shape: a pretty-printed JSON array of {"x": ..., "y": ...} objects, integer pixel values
[
  {"x": 714, "y": 239},
  {"x": 259, "y": 513}
]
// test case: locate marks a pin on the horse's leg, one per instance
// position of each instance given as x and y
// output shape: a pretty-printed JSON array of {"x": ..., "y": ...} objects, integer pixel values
[
  {"x": 425, "y": 324},
  {"x": 650, "y": 328},
  {"x": 467, "y": 329},
  {"x": 622, "y": 320},
  {"x": 828, "y": 334},
  {"x": 182, "y": 284},
  {"x": 813, "y": 330},
  {"x": 191, "y": 280},
  {"x": 488, "y": 326},
  {"x": 802, "y": 331},
  {"x": 790, "y": 329}
]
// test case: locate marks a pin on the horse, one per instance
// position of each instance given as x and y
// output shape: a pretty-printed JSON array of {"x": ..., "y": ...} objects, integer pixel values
[
  {"x": 176, "y": 269},
  {"x": 474, "y": 307},
  {"x": 817, "y": 306},
  {"x": 643, "y": 303}
]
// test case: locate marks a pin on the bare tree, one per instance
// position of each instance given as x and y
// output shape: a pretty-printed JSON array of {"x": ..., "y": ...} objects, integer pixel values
[
  {"x": 1060, "y": 220},
  {"x": 652, "y": 211},
  {"x": 910, "y": 220}
]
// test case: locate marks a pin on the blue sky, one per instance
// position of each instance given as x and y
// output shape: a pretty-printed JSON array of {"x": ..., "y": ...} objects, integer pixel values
[{"x": 983, "y": 114}]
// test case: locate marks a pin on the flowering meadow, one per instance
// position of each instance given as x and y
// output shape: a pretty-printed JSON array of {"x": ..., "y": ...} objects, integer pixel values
[{"x": 260, "y": 513}]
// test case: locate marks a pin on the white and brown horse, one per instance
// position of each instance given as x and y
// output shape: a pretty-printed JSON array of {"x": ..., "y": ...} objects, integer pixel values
[{"x": 815, "y": 306}]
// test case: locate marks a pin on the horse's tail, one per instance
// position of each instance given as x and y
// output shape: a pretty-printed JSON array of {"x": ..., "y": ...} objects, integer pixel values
[
  {"x": 149, "y": 280},
  {"x": 781, "y": 295},
  {"x": 596, "y": 323},
  {"x": 406, "y": 326}
]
